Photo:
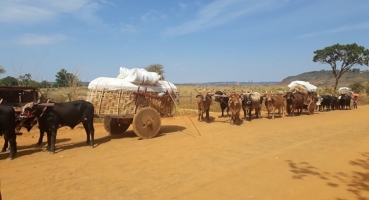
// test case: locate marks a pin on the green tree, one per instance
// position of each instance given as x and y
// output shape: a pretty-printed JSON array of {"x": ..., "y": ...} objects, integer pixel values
[
  {"x": 24, "y": 80},
  {"x": 9, "y": 81},
  {"x": 356, "y": 87},
  {"x": 158, "y": 68},
  {"x": 346, "y": 56},
  {"x": 45, "y": 84},
  {"x": 64, "y": 79}
]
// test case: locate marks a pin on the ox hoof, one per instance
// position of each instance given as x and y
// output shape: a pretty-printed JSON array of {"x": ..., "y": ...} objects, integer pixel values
[{"x": 3, "y": 150}]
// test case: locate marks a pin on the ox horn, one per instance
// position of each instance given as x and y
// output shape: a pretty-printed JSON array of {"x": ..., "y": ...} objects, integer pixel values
[
  {"x": 1, "y": 101},
  {"x": 197, "y": 91}
]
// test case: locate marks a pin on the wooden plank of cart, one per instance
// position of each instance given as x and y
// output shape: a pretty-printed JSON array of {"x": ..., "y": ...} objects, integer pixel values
[{"x": 121, "y": 108}]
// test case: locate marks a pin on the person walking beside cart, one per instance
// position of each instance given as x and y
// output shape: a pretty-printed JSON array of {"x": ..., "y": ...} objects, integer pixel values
[{"x": 355, "y": 99}]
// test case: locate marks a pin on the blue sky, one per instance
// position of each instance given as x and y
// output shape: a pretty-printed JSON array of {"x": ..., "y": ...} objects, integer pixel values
[{"x": 195, "y": 41}]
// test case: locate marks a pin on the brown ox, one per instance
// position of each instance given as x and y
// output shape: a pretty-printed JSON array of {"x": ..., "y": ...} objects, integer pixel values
[
  {"x": 235, "y": 105},
  {"x": 204, "y": 99},
  {"x": 273, "y": 102},
  {"x": 295, "y": 101}
]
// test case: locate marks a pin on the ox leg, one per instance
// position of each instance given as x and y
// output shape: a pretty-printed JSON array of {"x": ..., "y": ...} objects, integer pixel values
[
  {"x": 244, "y": 113},
  {"x": 207, "y": 116},
  {"x": 52, "y": 134},
  {"x": 5, "y": 147},
  {"x": 11, "y": 138},
  {"x": 48, "y": 135},
  {"x": 273, "y": 111},
  {"x": 42, "y": 132},
  {"x": 200, "y": 115},
  {"x": 90, "y": 132},
  {"x": 250, "y": 114}
]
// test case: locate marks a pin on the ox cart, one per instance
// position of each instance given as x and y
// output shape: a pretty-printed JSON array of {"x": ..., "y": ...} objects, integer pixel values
[
  {"x": 309, "y": 92},
  {"x": 121, "y": 104}
]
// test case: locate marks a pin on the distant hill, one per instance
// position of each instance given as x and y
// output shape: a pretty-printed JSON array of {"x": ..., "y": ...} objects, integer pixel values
[{"x": 326, "y": 77}]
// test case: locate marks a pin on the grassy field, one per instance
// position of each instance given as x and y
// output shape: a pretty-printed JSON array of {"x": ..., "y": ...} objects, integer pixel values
[{"x": 187, "y": 104}]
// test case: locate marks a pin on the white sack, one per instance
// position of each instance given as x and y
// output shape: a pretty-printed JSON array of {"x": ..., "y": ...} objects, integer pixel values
[
  {"x": 309, "y": 87},
  {"x": 347, "y": 89},
  {"x": 139, "y": 76},
  {"x": 105, "y": 83}
]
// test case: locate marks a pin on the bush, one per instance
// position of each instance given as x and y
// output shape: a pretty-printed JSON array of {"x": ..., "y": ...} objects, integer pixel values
[{"x": 357, "y": 87}]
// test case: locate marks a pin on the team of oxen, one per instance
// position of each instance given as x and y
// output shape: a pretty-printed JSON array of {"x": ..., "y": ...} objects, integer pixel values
[
  {"x": 286, "y": 103},
  {"x": 50, "y": 117}
]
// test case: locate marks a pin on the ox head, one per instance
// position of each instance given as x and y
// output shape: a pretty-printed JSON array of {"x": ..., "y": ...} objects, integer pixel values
[
  {"x": 28, "y": 110},
  {"x": 268, "y": 96},
  {"x": 235, "y": 99},
  {"x": 218, "y": 98},
  {"x": 289, "y": 96},
  {"x": 204, "y": 95},
  {"x": 247, "y": 98}
]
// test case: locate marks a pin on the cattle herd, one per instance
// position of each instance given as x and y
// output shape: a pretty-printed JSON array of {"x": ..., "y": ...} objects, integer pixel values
[
  {"x": 51, "y": 116},
  {"x": 287, "y": 103}
]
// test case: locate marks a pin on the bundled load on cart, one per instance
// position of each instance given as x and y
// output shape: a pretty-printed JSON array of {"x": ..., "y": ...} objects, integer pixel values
[
  {"x": 345, "y": 90},
  {"x": 135, "y": 97},
  {"x": 308, "y": 90}
]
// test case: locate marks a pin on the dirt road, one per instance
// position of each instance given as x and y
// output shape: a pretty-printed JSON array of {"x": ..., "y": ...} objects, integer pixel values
[{"x": 324, "y": 156}]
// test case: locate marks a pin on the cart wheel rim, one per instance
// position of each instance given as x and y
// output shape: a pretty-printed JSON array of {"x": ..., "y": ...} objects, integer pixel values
[{"x": 146, "y": 123}]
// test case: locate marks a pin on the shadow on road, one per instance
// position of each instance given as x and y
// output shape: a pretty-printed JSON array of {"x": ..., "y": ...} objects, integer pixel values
[{"x": 355, "y": 182}]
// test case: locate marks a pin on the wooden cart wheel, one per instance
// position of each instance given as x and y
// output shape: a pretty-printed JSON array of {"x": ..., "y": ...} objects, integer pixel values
[
  {"x": 311, "y": 108},
  {"x": 146, "y": 123},
  {"x": 112, "y": 126}
]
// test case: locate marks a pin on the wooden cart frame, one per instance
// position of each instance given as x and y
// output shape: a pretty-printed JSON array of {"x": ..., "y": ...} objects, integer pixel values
[
  {"x": 311, "y": 102},
  {"x": 143, "y": 109}
]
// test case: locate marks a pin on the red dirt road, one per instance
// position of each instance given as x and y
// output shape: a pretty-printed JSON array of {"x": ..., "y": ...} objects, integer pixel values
[{"x": 324, "y": 156}]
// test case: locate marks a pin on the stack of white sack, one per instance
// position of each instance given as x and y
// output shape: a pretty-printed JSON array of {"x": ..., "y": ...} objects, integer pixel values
[
  {"x": 106, "y": 83},
  {"x": 309, "y": 87},
  {"x": 345, "y": 89},
  {"x": 139, "y": 76}
]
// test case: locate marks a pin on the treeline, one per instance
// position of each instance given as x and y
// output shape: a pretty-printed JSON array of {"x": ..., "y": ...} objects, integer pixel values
[{"x": 62, "y": 79}]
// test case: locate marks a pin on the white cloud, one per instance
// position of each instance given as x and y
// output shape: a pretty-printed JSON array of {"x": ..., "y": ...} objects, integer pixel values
[
  {"x": 35, "y": 11},
  {"x": 182, "y": 5},
  {"x": 152, "y": 15},
  {"x": 128, "y": 28},
  {"x": 220, "y": 12},
  {"x": 31, "y": 40},
  {"x": 344, "y": 28}
]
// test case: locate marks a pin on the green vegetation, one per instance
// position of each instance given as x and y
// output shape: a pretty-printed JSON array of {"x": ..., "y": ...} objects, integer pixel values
[
  {"x": 346, "y": 56},
  {"x": 158, "y": 68}
]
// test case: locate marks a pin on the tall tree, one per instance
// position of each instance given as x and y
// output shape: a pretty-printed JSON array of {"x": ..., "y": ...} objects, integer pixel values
[
  {"x": 9, "y": 81},
  {"x": 65, "y": 79},
  {"x": 346, "y": 56},
  {"x": 158, "y": 68},
  {"x": 24, "y": 80}
]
